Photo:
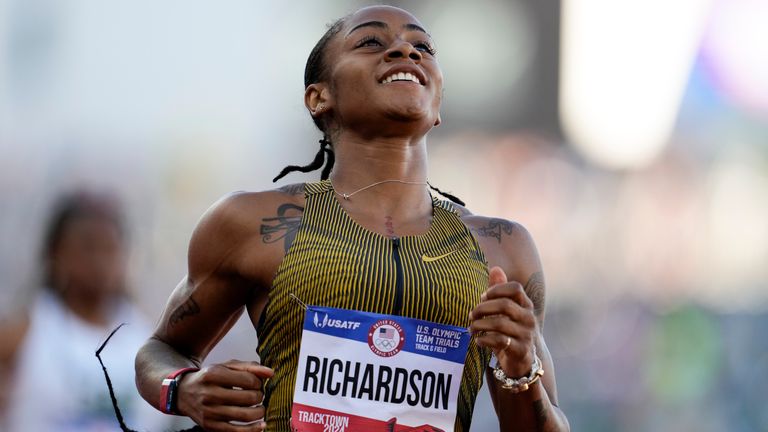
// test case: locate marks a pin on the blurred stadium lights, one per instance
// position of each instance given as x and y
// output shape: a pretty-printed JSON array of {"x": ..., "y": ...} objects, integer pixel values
[
  {"x": 489, "y": 60},
  {"x": 738, "y": 231},
  {"x": 624, "y": 67},
  {"x": 500, "y": 62},
  {"x": 735, "y": 52}
]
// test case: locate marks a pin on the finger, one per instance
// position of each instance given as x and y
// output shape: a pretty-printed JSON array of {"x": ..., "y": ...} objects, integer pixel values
[
  {"x": 505, "y": 308},
  {"x": 231, "y": 397},
  {"x": 225, "y": 426},
  {"x": 513, "y": 290},
  {"x": 496, "y": 276},
  {"x": 223, "y": 376},
  {"x": 239, "y": 414},
  {"x": 252, "y": 367},
  {"x": 243, "y": 398},
  {"x": 502, "y": 325},
  {"x": 499, "y": 342}
]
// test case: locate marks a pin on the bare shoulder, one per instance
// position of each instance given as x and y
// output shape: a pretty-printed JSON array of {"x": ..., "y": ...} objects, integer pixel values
[
  {"x": 238, "y": 214},
  {"x": 294, "y": 189},
  {"x": 243, "y": 228},
  {"x": 502, "y": 231},
  {"x": 509, "y": 245},
  {"x": 490, "y": 229},
  {"x": 241, "y": 206}
]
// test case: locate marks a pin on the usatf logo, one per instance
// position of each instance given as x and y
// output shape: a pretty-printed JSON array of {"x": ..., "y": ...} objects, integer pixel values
[
  {"x": 386, "y": 338},
  {"x": 334, "y": 323}
]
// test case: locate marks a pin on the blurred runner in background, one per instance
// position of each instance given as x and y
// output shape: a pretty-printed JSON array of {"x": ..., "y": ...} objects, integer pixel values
[{"x": 53, "y": 380}]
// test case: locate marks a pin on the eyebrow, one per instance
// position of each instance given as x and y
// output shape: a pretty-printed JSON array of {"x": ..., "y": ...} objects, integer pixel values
[{"x": 383, "y": 25}]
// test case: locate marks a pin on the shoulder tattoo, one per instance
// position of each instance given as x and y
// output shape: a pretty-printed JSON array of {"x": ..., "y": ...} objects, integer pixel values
[
  {"x": 534, "y": 289},
  {"x": 494, "y": 228},
  {"x": 186, "y": 309},
  {"x": 293, "y": 189},
  {"x": 283, "y": 226}
]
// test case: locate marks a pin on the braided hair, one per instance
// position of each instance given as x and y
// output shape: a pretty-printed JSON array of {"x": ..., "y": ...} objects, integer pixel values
[
  {"x": 316, "y": 71},
  {"x": 317, "y": 163},
  {"x": 113, "y": 397}
]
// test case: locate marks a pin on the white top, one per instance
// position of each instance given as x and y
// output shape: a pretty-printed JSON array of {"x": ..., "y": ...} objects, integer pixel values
[{"x": 58, "y": 383}]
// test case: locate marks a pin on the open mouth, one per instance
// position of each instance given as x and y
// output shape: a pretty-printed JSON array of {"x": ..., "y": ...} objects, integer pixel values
[{"x": 400, "y": 76}]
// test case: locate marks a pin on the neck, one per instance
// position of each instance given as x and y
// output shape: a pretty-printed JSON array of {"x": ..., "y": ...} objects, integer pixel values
[{"x": 361, "y": 162}]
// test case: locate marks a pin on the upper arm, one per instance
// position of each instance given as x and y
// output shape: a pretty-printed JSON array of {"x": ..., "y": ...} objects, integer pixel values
[
  {"x": 215, "y": 291},
  {"x": 524, "y": 266},
  {"x": 510, "y": 246}
]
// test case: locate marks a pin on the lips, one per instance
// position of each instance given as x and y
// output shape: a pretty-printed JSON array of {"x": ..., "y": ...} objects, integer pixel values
[{"x": 403, "y": 73}]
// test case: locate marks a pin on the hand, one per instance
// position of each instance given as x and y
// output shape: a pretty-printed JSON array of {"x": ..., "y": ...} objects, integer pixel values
[
  {"x": 504, "y": 321},
  {"x": 220, "y": 393}
]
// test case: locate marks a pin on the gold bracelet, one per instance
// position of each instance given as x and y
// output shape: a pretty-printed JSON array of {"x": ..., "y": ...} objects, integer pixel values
[{"x": 521, "y": 384}]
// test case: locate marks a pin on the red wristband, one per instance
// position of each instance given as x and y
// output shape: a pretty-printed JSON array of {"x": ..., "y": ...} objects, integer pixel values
[{"x": 168, "y": 390}]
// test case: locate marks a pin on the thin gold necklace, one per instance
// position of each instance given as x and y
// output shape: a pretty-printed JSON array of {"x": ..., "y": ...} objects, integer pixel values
[{"x": 349, "y": 195}]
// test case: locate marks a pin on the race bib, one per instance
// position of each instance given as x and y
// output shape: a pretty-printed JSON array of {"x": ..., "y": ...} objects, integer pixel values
[{"x": 369, "y": 372}]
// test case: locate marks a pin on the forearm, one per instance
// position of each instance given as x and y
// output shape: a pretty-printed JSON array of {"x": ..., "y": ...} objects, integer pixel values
[
  {"x": 155, "y": 361},
  {"x": 528, "y": 411}
]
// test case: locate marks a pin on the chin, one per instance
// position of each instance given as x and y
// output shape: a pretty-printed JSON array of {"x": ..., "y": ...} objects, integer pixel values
[{"x": 409, "y": 113}]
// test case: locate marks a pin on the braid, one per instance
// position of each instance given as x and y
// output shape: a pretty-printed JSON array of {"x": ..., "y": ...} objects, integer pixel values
[
  {"x": 330, "y": 161},
  {"x": 317, "y": 163},
  {"x": 118, "y": 414},
  {"x": 316, "y": 71},
  {"x": 453, "y": 198}
]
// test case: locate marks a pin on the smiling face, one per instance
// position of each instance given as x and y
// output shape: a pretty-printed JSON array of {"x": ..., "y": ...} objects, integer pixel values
[{"x": 382, "y": 75}]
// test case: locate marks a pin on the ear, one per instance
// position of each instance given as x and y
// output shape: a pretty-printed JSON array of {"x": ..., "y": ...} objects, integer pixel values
[
  {"x": 317, "y": 99},
  {"x": 438, "y": 120}
]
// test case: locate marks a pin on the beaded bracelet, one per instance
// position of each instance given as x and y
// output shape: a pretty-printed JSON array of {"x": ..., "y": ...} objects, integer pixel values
[{"x": 521, "y": 384}]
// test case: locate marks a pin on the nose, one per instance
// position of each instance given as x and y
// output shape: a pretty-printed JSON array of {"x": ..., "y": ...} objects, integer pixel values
[{"x": 403, "y": 49}]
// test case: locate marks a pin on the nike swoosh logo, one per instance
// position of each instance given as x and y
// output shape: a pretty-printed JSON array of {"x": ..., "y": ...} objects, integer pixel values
[{"x": 435, "y": 258}]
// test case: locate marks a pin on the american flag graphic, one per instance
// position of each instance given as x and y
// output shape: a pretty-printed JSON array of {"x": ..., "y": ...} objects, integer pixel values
[{"x": 386, "y": 333}]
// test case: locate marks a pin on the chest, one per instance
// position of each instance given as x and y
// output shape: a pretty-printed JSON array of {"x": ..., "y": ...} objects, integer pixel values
[{"x": 436, "y": 278}]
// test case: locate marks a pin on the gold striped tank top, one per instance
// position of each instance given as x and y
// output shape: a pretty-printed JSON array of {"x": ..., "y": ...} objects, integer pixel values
[{"x": 335, "y": 262}]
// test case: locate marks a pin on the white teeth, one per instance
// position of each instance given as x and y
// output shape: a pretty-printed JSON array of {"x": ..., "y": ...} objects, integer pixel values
[{"x": 401, "y": 76}]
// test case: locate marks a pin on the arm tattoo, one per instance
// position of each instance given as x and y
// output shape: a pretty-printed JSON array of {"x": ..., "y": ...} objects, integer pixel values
[
  {"x": 540, "y": 413},
  {"x": 534, "y": 289},
  {"x": 284, "y": 226},
  {"x": 495, "y": 228},
  {"x": 293, "y": 189},
  {"x": 187, "y": 309}
]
